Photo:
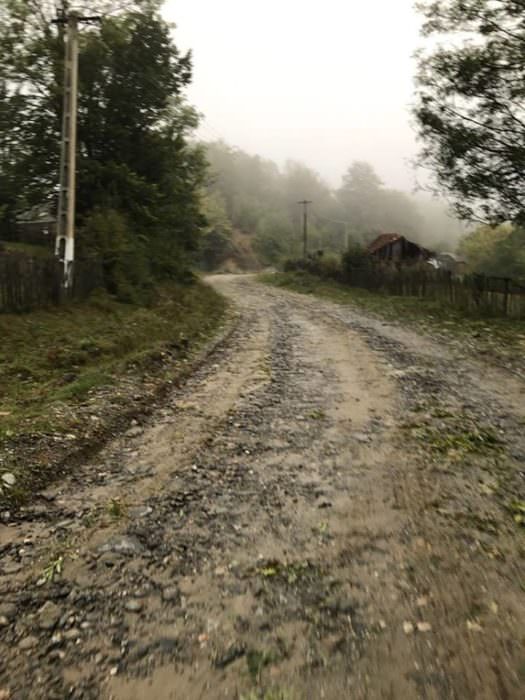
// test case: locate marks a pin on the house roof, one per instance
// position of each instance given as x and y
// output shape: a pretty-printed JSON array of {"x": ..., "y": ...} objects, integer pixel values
[
  {"x": 387, "y": 238},
  {"x": 383, "y": 240},
  {"x": 39, "y": 214}
]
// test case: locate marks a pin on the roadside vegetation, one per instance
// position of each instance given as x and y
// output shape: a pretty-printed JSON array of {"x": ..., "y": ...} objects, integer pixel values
[
  {"x": 496, "y": 250},
  {"x": 60, "y": 367},
  {"x": 73, "y": 374}
]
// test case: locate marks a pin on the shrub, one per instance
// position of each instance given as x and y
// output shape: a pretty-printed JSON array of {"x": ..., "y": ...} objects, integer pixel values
[{"x": 107, "y": 236}]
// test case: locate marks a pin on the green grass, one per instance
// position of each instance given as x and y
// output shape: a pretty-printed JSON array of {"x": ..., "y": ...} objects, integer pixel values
[
  {"x": 500, "y": 338},
  {"x": 80, "y": 387},
  {"x": 57, "y": 357},
  {"x": 459, "y": 441}
]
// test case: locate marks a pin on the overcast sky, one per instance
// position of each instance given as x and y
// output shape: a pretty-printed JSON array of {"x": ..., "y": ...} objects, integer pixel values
[{"x": 322, "y": 82}]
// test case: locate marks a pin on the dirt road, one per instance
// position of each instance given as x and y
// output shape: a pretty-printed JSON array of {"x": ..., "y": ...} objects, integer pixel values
[{"x": 326, "y": 509}]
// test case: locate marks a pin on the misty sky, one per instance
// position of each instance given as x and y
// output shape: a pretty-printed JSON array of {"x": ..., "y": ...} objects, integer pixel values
[{"x": 322, "y": 82}]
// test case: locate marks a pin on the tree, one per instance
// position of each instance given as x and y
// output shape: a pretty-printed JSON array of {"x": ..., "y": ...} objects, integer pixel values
[
  {"x": 274, "y": 238},
  {"x": 135, "y": 164},
  {"x": 216, "y": 243},
  {"x": 471, "y": 105},
  {"x": 370, "y": 208},
  {"x": 498, "y": 251},
  {"x": 361, "y": 179},
  {"x": 261, "y": 200},
  {"x": 358, "y": 195}
]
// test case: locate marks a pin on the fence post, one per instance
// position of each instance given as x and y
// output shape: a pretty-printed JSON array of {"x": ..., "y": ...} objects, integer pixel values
[{"x": 506, "y": 296}]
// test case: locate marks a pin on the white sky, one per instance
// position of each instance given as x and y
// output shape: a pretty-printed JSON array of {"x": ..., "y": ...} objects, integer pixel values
[{"x": 321, "y": 82}]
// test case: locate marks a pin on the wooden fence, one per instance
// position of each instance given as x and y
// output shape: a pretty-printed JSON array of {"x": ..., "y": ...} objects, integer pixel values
[
  {"x": 27, "y": 282},
  {"x": 495, "y": 296}
]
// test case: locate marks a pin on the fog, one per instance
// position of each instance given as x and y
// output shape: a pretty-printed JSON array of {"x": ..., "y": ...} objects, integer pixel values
[{"x": 322, "y": 83}]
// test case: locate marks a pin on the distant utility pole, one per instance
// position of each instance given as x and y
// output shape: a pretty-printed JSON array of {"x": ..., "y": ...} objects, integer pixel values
[
  {"x": 65, "y": 234},
  {"x": 347, "y": 235},
  {"x": 305, "y": 203}
]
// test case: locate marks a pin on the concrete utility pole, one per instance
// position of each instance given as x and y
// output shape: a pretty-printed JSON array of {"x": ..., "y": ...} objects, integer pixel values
[
  {"x": 305, "y": 203},
  {"x": 65, "y": 234}
]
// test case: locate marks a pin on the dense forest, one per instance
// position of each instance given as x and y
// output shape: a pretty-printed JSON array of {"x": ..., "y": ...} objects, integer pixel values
[{"x": 253, "y": 195}]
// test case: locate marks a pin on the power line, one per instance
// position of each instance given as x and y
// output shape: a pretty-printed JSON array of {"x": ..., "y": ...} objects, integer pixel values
[{"x": 333, "y": 221}]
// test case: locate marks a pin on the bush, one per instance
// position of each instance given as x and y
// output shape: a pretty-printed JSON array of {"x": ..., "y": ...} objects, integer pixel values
[
  {"x": 107, "y": 236},
  {"x": 216, "y": 247},
  {"x": 326, "y": 267},
  {"x": 356, "y": 259}
]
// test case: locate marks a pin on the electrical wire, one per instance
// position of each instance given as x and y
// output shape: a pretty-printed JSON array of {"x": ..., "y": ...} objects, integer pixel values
[{"x": 333, "y": 221}]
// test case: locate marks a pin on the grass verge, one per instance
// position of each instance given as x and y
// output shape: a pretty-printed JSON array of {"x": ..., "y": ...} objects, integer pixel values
[
  {"x": 67, "y": 373},
  {"x": 500, "y": 339}
]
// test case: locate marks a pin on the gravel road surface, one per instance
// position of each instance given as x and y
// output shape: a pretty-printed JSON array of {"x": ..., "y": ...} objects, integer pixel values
[{"x": 326, "y": 509}]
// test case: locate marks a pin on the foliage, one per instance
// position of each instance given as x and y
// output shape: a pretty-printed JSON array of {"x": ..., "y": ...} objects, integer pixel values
[
  {"x": 372, "y": 209},
  {"x": 274, "y": 235},
  {"x": 473, "y": 293},
  {"x": 478, "y": 246},
  {"x": 45, "y": 359},
  {"x": 324, "y": 266},
  {"x": 356, "y": 257},
  {"x": 471, "y": 105},
  {"x": 49, "y": 368},
  {"x": 107, "y": 234},
  {"x": 138, "y": 175},
  {"x": 498, "y": 251},
  {"x": 216, "y": 242},
  {"x": 262, "y": 200}
]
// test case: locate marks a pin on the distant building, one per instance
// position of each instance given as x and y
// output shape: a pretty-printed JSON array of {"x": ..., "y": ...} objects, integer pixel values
[
  {"x": 392, "y": 247},
  {"x": 36, "y": 225},
  {"x": 451, "y": 262}
]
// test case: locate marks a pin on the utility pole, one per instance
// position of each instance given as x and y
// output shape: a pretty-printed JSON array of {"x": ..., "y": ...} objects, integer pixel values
[
  {"x": 65, "y": 234},
  {"x": 305, "y": 203},
  {"x": 347, "y": 235}
]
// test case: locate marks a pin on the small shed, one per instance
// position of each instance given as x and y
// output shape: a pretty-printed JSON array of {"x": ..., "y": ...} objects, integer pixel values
[
  {"x": 36, "y": 225},
  {"x": 392, "y": 247}
]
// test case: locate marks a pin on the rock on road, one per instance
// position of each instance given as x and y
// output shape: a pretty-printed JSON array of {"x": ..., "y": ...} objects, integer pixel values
[{"x": 293, "y": 522}]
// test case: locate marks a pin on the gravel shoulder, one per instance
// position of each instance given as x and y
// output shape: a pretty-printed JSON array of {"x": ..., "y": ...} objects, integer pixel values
[{"x": 329, "y": 507}]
